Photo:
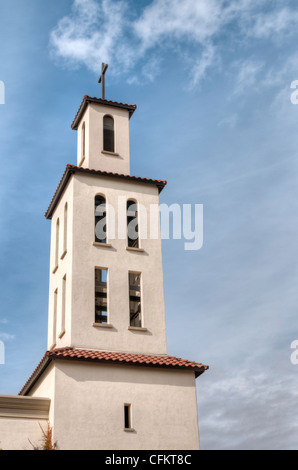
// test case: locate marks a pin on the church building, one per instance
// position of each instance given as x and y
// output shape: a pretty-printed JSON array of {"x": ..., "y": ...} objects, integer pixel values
[{"x": 106, "y": 380}]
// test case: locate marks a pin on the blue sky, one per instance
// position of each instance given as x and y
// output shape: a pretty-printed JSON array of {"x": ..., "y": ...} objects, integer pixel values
[{"x": 211, "y": 79}]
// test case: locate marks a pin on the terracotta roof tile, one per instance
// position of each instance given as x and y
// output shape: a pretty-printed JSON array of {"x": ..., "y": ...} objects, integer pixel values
[
  {"x": 115, "y": 357},
  {"x": 70, "y": 169}
]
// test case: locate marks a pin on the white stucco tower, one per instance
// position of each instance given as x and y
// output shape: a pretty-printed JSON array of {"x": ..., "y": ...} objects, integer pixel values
[{"x": 106, "y": 371}]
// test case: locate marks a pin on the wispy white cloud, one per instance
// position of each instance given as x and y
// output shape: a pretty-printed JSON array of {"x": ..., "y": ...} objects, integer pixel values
[
  {"x": 274, "y": 23},
  {"x": 253, "y": 410},
  {"x": 166, "y": 19},
  {"x": 6, "y": 336},
  {"x": 230, "y": 121},
  {"x": 92, "y": 33},
  {"x": 151, "y": 69},
  {"x": 247, "y": 76},
  {"x": 107, "y": 31},
  {"x": 253, "y": 75},
  {"x": 200, "y": 68},
  {"x": 97, "y": 31}
]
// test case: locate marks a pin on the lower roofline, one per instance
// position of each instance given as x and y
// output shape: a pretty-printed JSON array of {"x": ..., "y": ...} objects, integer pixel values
[{"x": 101, "y": 357}]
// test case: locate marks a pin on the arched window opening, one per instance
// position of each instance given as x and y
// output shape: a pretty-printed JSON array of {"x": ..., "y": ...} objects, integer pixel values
[
  {"x": 83, "y": 141},
  {"x": 65, "y": 229},
  {"x": 55, "y": 316},
  {"x": 132, "y": 224},
  {"x": 100, "y": 220},
  {"x": 63, "y": 306},
  {"x": 57, "y": 243},
  {"x": 108, "y": 134}
]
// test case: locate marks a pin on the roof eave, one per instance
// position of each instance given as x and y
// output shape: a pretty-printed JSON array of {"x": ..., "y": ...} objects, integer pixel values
[
  {"x": 87, "y": 99},
  {"x": 70, "y": 169},
  {"x": 46, "y": 360},
  {"x": 51, "y": 356}
]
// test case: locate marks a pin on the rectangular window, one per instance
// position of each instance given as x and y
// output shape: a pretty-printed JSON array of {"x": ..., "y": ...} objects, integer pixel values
[
  {"x": 135, "y": 299},
  {"x": 101, "y": 291},
  {"x": 127, "y": 416}
]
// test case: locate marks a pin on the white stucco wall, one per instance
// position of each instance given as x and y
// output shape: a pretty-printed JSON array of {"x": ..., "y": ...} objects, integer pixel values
[
  {"x": 119, "y": 261},
  {"x": 45, "y": 388},
  {"x": 17, "y": 433},
  {"x": 22, "y": 420},
  {"x": 94, "y": 157},
  {"x": 89, "y": 408},
  {"x": 64, "y": 268},
  {"x": 81, "y": 259}
]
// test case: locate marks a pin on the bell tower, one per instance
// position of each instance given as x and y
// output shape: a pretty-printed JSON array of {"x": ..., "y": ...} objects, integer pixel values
[
  {"x": 101, "y": 283},
  {"x": 106, "y": 372}
]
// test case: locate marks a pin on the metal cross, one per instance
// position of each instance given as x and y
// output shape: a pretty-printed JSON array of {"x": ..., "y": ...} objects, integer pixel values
[{"x": 101, "y": 80}]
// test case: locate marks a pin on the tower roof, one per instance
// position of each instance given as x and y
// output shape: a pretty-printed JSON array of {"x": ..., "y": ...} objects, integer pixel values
[
  {"x": 87, "y": 99},
  {"x": 71, "y": 169},
  {"x": 117, "y": 358}
]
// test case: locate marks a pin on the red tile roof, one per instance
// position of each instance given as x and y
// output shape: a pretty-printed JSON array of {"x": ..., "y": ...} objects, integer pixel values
[
  {"x": 87, "y": 99},
  {"x": 70, "y": 169},
  {"x": 144, "y": 360}
]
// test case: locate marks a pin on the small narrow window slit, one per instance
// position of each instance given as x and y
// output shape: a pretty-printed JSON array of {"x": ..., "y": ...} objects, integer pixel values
[{"x": 127, "y": 417}]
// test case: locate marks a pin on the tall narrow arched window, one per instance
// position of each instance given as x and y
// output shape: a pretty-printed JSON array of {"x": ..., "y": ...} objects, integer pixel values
[
  {"x": 132, "y": 224},
  {"x": 108, "y": 134},
  {"x": 63, "y": 307},
  {"x": 55, "y": 316},
  {"x": 100, "y": 219},
  {"x": 83, "y": 140},
  {"x": 57, "y": 243},
  {"x": 65, "y": 229}
]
